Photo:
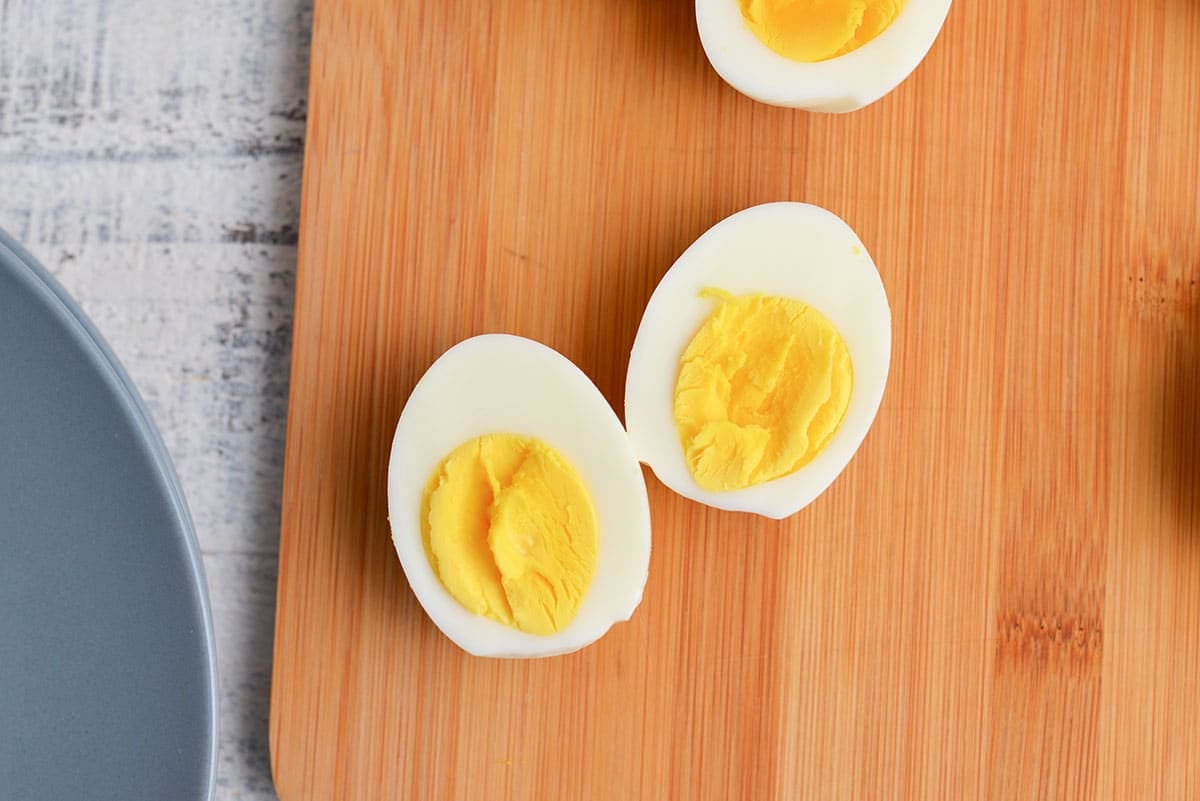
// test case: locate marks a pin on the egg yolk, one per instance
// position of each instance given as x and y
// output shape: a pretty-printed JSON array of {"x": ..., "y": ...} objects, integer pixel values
[
  {"x": 762, "y": 387},
  {"x": 511, "y": 532},
  {"x": 814, "y": 30}
]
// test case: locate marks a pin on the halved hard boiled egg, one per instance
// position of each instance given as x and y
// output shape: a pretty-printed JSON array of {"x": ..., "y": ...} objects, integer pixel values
[
  {"x": 834, "y": 55},
  {"x": 760, "y": 361},
  {"x": 517, "y": 506},
  {"x": 516, "y": 498}
]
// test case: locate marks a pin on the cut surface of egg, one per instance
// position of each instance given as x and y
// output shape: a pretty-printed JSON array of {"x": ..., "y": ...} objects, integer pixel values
[
  {"x": 517, "y": 506},
  {"x": 835, "y": 56},
  {"x": 760, "y": 361}
]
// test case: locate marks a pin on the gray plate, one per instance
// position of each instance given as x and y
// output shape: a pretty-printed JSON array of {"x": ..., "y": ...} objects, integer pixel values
[{"x": 107, "y": 665}]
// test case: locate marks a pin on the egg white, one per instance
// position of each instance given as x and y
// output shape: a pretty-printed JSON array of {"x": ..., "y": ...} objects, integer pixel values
[
  {"x": 792, "y": 250},
  {"x": 506, "y": 384},
  {"x": 840, "y": 84}
]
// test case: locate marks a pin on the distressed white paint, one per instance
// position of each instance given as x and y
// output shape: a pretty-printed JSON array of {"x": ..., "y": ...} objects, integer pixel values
[
  {"x": 150, "y": 156},
  {"x": 130, "y": 80}
]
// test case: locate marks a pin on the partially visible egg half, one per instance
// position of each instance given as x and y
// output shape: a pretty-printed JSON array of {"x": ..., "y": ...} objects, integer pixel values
[
  {"x": 849, "y": 74},
  {"x": 507, "y": 389},
  {"x": 793, "y": 264}
]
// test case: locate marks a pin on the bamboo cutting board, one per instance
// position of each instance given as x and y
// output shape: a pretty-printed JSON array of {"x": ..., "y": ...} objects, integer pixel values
[{"x": 999, "y": 599}]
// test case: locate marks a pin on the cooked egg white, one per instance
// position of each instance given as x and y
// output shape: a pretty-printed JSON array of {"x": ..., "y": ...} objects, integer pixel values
[
  {"x": 836, "y": 56},
  {"x": 760, "y": 361},
  {"x": 518, "y": 508}
]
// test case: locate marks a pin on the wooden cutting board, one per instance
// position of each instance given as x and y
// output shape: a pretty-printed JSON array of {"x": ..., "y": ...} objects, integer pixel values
[{"x": 999, "y": 599}]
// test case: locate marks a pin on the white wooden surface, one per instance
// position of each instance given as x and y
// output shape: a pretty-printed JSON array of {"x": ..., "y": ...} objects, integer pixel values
[{"x": 150, "y": 156}]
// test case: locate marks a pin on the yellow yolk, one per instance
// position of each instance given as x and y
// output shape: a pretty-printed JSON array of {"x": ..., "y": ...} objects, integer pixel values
[
  {"x": 762, "y": 387},
  {"x": 511, "y": 532},
  {"x": 814, "y": 30}
]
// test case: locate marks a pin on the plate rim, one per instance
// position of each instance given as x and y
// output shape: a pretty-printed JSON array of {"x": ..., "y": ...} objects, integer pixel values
[{"x": 73, "y": 315}]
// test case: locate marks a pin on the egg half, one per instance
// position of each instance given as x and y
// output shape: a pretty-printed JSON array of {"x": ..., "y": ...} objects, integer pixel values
[
  {"x": 792, "y": 252},
  {"x": 508, "y": 385},
  {"x": 839, "y": 84}
]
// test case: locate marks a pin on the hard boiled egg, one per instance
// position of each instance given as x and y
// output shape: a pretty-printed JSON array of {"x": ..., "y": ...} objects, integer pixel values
[
  {"x": 517, "y": 506},
  {"x": 516, "y": 498},
  {"x": 833, "y": 56},
  {"x": 760, "y": 361}
]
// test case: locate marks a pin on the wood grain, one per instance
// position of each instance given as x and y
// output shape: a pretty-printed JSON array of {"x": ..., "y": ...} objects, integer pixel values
[{"x": 1000, "y": 598}]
